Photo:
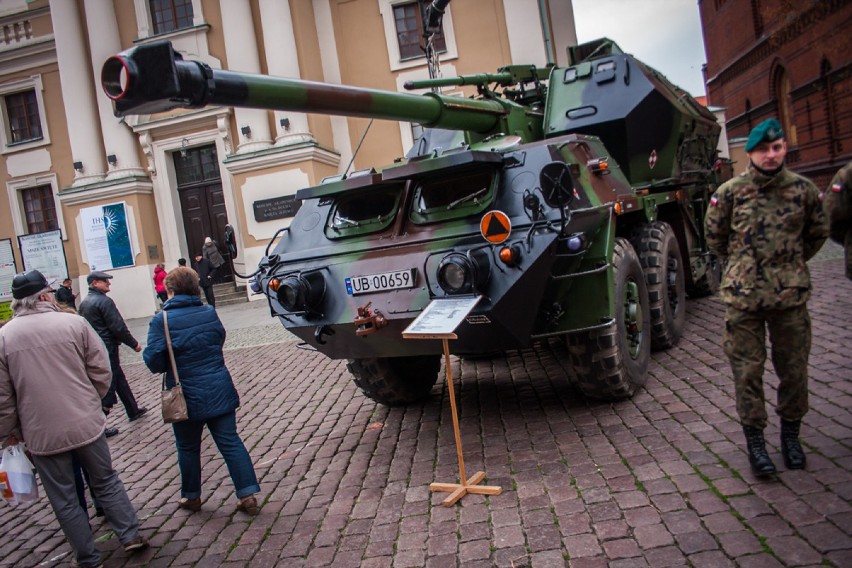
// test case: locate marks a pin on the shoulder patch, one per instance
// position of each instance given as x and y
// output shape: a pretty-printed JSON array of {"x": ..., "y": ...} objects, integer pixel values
[
  {"x": 836, "y": 188},
  {"x": 714, "y": 201}
]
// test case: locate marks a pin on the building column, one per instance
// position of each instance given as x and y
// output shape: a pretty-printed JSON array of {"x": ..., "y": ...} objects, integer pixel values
[
  {"x": 122, "y": 153},
  {"x": 241, "y": 49},
  {"x": 282, "y": 59},
  {"x": 78, "y": 96}
]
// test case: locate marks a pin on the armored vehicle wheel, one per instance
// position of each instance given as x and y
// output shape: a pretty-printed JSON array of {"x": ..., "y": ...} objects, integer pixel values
[
  {"x": 660, "y": 256},
  {"x": 708, "y": 284},
  {"x": 395, "y": 381},
  {"x": 611, "y": 363}
]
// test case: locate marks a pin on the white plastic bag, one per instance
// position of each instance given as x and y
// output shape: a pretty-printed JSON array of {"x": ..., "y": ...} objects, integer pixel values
[{"x": 17, "y": 478}]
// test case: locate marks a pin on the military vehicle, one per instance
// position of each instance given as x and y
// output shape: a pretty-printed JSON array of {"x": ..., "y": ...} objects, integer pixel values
[{"x": 569, "y": 198}]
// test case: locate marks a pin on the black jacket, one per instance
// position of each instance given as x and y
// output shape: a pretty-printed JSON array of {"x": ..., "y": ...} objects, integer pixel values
[
  {"x": 66, "y": 296},
  {"x": 100, "y": 311},
  {"x": 204, "y": 270}
]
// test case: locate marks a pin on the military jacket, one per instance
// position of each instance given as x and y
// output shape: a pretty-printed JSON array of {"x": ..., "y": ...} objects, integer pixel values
[
  {"x": 838, "y": 207},
  {"x": 764, "y": 229}
]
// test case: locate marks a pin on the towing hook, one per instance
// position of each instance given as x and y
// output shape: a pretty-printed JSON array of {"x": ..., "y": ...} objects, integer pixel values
[
  {"x": 369, "y": 321},
  {"x": 320, "y": 332}
]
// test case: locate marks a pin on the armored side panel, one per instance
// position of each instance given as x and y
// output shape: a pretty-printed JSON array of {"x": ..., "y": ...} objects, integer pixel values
[{"x": 654, "y": 130}]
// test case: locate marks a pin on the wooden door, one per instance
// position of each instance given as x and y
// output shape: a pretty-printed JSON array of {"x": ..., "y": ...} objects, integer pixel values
[{"x": 202, "y": 202}]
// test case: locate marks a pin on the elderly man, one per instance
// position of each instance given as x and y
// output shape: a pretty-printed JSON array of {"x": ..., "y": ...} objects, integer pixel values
[
  {"x": 764, "y": 225},
  {"x": 100, "y": 311},
  {"x": 53, "y": 372}
]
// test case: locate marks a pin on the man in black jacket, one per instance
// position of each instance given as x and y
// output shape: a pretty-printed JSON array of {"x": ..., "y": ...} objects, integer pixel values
[
  {"x": 65, "y": 295},
  {"x": 100, "y": 311},
  {"x": 205, "y": 272}
]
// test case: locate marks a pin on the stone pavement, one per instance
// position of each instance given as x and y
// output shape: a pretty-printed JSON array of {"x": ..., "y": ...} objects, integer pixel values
[{"x": 660, "y": 480}]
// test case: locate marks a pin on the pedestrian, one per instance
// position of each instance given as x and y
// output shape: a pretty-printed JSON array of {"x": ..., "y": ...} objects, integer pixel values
[
  {"x": 159, "y": 287},
  {"x": 205, "y": 277},
  {"x": 66, "y": 296},
  {"x": 100, "y": 311},
  {"x": 210, "y": 251},
  {"x": 197, "y": 337},
  {"x": 838, "y": 207},
  {"x": 181, "y": 261},
  {"x": 54, "y": 369},
  {"x": 764, "y": 225}
]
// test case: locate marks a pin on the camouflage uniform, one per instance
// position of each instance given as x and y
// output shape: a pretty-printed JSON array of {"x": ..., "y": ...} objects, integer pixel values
[
  {"x": 838, "y": 207},
  {"x": 764, "y": 228}
]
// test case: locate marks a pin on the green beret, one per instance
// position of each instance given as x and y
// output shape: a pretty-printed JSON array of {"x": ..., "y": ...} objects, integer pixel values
[{"x": 767, "y": 131}]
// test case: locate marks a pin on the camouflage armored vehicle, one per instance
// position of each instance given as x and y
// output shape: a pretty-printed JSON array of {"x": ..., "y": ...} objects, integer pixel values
[{"x": 570, "y": 198}]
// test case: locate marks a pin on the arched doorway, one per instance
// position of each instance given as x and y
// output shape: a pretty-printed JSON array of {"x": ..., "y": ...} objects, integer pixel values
[{"x": 202, "y": 201}]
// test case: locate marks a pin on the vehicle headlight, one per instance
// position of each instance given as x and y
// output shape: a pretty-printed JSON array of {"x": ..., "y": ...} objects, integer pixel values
[
  {"x": 301, "y": 292},
  {"x": 464, "y": 273}
]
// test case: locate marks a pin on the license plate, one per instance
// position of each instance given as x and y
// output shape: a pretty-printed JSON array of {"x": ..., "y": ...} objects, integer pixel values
[{"x": 396, "y": 280}]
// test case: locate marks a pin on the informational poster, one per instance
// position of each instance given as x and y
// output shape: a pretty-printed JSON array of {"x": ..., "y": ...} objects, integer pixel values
[
  {"x": 107, "y": 236},
  {"x": 7, "y": 270},
  {"x": 441, "y": 317},
  {"x": 44, "y": 252}
]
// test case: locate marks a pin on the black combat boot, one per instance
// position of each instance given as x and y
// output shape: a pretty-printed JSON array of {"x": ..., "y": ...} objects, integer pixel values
[
  {"x": 791, "y": 449},
  {"x": 761, "y": 465}
]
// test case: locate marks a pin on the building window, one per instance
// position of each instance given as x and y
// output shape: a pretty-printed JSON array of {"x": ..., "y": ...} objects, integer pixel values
[
  {"x": 170, "y": 15},
  {"x": 408, "y": 19},
  {"x": 24, "y": 122},
  {"x": 784, "y": 102},
  {"x": 39, "y": 209}
]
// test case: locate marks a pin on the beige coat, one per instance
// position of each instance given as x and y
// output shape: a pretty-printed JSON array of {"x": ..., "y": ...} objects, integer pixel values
[{"x": 54, "y": 370}]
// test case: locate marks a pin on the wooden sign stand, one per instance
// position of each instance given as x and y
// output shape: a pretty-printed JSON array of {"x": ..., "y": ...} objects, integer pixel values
[
  {"x": 438, "y": 321},
  {"x": 465, "y": 485}
]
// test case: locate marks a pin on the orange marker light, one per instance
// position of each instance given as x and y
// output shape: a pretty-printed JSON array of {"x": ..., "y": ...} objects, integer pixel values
[
  {"x": 274, "y": 284},
  {"x": 618, "y": 209},
  {"x": 507, "y": 255}
]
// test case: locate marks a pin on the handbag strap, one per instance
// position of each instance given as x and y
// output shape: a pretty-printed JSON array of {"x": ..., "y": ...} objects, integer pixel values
[{"x": 169, "y": 344}]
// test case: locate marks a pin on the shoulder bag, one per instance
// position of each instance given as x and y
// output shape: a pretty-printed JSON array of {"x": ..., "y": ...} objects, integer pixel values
[{"x": 174, "y": 404}]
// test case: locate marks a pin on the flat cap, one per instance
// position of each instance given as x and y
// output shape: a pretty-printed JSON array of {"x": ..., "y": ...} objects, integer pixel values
[
  {"x": 98, "y": 275},
  {"x": 767, "y": 131},
  {"x": 28, "y": 283}
]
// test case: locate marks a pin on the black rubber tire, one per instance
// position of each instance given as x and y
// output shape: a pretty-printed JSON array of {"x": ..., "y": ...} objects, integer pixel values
[
  {"x": 662, "y": 262},
  {"x": 396, "y": 381},
  {"x": 708, "y": 284},
  {"x": 602, "y": 360}
]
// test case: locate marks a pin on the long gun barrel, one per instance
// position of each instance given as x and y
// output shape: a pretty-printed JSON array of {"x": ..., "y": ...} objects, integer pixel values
[{"x": 154, "y": 78}]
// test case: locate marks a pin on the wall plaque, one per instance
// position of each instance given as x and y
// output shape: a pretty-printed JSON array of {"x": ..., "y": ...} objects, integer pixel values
[{"x": 276, "y": 208}]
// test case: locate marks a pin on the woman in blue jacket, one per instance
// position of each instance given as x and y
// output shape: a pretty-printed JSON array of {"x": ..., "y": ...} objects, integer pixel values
[{"x": 197, "y": 337}]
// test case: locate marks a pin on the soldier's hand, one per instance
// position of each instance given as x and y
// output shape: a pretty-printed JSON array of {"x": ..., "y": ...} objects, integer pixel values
[{"x": 138, "y": 348}]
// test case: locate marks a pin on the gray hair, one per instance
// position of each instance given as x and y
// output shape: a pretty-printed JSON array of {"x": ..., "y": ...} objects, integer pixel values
[{"x": 29, "y": 302}]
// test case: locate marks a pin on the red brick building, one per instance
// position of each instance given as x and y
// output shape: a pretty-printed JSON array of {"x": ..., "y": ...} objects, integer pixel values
[{"x": 789, "y": 59}]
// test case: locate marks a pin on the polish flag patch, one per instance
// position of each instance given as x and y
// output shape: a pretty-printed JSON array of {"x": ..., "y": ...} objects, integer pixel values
[
  {"x": 836, "y": 187},
  {"x": 713, "y": 201}
]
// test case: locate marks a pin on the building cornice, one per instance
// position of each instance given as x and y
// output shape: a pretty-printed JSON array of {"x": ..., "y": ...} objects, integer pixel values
[
  {"x": 29, "y": 55},
  {"x": 280, "y": 156},
  {"x": 111, "y": 189}
]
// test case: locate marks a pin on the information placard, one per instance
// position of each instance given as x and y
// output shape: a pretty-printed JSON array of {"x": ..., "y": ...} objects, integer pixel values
[
  {"x": 440, "y": 318},
  {"x": 8, "y": 269},
  {"x": 44, "y": 252}
]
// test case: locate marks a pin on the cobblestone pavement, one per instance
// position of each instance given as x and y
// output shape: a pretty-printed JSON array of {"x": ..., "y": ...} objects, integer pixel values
[{"x": 660, "y": 480}]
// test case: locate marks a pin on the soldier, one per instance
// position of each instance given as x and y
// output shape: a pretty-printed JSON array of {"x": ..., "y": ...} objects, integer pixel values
[
  {"x": 764, "y": 225},
  {"x": 838, "y": 207}
]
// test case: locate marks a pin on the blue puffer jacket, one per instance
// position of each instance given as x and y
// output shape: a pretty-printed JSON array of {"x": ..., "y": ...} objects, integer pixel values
[{"x": 197, "y": 337}]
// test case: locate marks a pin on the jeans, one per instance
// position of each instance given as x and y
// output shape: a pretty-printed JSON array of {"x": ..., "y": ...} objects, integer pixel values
[
  {"x": 57, "y": 477},
  {"x": 120, "y": 385},
  {"x": 223, "y": 429}
]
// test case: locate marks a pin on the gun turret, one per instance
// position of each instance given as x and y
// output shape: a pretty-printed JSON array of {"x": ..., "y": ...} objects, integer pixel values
[{"x": 154, "y": 78}]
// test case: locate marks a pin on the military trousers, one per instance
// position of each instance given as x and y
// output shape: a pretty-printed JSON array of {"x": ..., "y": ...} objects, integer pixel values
[{"x": 745, "y": 346}]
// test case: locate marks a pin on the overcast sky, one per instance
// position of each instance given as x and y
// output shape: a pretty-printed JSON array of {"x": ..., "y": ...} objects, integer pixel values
[{"x": 665, "y": 34}]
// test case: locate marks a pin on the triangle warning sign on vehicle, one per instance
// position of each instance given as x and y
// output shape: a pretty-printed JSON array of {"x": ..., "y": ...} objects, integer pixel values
[{"x": 495, "y": 227}]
